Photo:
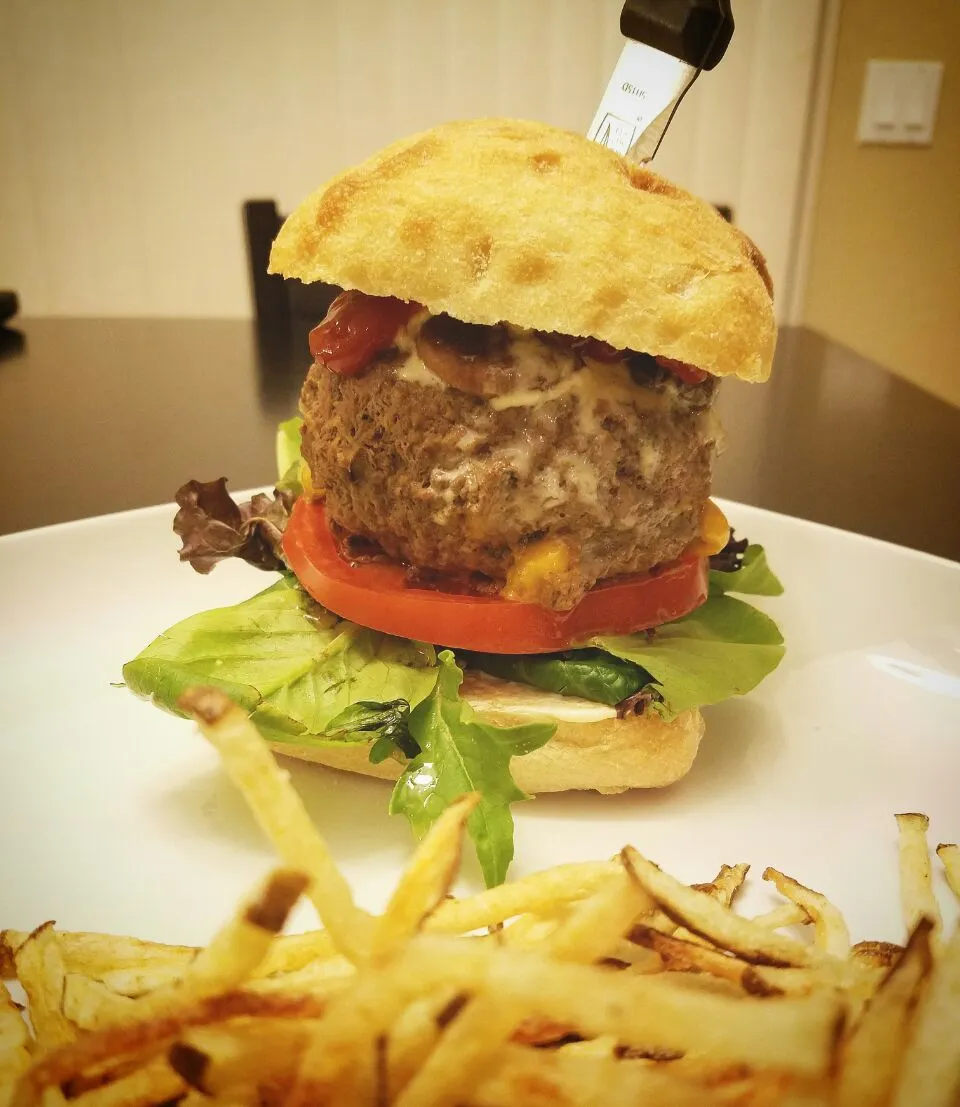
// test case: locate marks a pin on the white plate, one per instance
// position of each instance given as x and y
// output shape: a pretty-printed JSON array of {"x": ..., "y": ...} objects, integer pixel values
[{"x": 114, "y": 816}]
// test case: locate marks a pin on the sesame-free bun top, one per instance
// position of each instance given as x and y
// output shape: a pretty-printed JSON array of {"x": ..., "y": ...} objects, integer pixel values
[{"x": 500, "y": 220}]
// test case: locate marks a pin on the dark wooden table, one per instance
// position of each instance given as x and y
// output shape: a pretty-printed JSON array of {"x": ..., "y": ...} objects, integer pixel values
[{"x": 100, "y": 415}]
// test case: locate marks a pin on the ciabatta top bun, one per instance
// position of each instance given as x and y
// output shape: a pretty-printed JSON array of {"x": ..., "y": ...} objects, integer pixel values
[{"x": 494, "y": 220}]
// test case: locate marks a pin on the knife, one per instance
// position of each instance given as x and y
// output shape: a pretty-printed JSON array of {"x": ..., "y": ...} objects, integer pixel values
[{"x": 668, "y": 43}]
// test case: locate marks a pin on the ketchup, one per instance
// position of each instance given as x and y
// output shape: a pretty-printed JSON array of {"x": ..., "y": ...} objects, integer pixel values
[
  {"x": 598, "y": 349},
  {"x": 603, "y": 351},
  {"x": 356, "y": 328},
  {"x": 689, "y": 374}
]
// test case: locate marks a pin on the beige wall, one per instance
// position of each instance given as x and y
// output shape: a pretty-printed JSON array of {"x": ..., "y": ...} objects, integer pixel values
[
  {"x": 884, "y": 275},
  {"x": 131, "y": 131}
]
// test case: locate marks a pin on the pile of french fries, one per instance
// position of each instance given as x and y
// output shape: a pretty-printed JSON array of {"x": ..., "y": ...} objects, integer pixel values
[{"x": 601, "y": 983}]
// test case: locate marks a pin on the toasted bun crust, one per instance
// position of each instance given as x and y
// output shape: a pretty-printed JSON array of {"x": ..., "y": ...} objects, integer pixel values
[
  {"x": 495, "y": 220},
  {"x": 592, "y": 748}
]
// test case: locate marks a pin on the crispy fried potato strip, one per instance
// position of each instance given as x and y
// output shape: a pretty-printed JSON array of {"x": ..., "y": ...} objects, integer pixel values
[
  {"x": 246, "y": 1062},
  {"x": 930, "y": 1073},
  {"x": 600, "y": 984},
  {"x": 281, "y": 815},
  {"x": 41, "y": 972},
  {"x": 873, "y": 1051},
  {"x": 234, "y": 952},
  {"x": 98, "y": 954},
  {"x": 680, "y": 955},
  {"x": 723, "y": 888},
  {"x": 712, "y": 919},
  {"x": 426, "y": 880},
  {"x": 784, "y": 914},
  {"x": 949, "y": 854},
  {"x": 587, "y": 934},
  {"x": 831, "y": 934},
  {"x": 916, "y": 883},
  {"x": 14, "y": 1045},
  {"x": 639, "y": 1010},
  {"x": 545, "y": 894},
  {"x": 152, "y": 1084},
  {"x": 566, "y": 1077},
  {"x": 148, "y": 1036}
]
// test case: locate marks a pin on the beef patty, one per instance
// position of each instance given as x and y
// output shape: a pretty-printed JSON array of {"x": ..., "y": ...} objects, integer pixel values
[{"x": 613, "y": 460}]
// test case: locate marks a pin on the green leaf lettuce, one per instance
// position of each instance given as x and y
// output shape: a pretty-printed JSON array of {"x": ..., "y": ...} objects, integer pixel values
[
  {"x": 288, "y": 456},
  {"x": 461, "y": 754},
  {"x": 723, "y": 648},
  {"x": 294, "y": 666},
  {"x": 753, "y": 578}
]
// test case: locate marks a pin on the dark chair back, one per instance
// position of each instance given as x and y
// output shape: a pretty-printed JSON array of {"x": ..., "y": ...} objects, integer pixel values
[{"x": 278, "y": 303}]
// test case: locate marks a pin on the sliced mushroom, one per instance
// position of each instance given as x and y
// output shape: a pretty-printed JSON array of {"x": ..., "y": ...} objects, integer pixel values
[{"x": 468, "y": 356}]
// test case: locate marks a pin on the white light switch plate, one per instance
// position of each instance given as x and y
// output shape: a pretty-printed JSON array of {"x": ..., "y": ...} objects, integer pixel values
[{"x": 899, "y": 103}]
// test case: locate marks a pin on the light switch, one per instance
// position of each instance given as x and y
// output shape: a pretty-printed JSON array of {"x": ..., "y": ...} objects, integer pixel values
[{"x": 899, "y": 102}]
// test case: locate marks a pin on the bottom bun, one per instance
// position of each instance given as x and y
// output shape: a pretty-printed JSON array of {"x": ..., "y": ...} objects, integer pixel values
[{"x": 591, "y": 749}]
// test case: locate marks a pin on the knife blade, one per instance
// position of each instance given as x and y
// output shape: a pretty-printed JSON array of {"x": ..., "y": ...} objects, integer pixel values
[{"x": 669, "y": 42}]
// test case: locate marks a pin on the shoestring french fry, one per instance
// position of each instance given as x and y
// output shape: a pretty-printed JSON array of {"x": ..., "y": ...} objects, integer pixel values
[
  {"x": 92, "y": 1005},
  {"x": 783, "y": 915},
  {"x": 880, "y": 955},
  {"x": 114, "y": 1046},
  {"x": 930, "y": 1073},
  {"x": 593, "y": 983},
  {"x": 281, "y": 815},
  {"x": 41, "y": 973},
  {"x": 709, "y": 918},
  {"x": 14, "y": 1045},
  {"x": 723, "y": 888},
  {"x": 96, "y": 954},
  {"x": 426, "y": 880},
  {"x": 916, "y": 883},
  {"x": 568, "y": 1076},
  {"x": 679, "y": 955},
  {"x": 487, "y": 1022},
  {"x": 240, "y": 1063},
  {"x": 830, "y": 931},
  {"x": 544, "y": 893},
  {"x": 155, "y": 1082},
  {"x": 949, "y": 855},
  {"x": 874, "y": 1048}
]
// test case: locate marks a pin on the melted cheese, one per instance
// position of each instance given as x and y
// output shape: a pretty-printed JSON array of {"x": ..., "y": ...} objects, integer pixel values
[
  {"x": 413, "y": 371},
  {"x": 649, "y": 460},
  {"x": 597, "y": 386},
  {"x": 469, "y": 440},
  {"x": 532, "y": 397},
  {"x": 533, "y": 567},
  {"x": 581, "y": 474},
  {"x": 713, "y": 533}
]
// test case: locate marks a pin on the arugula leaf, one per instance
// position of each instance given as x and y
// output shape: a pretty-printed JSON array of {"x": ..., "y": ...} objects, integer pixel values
[
  {"x": 292, "y": 664},
  {"x": 591, "y": 674},
  {"x": 753, "y": 578},
  {"x": 383, "y": 724},
  {"x": 460, "y": 754},
  {"x": 724, "y": 648},
  {"x": 288, "y": 456}
]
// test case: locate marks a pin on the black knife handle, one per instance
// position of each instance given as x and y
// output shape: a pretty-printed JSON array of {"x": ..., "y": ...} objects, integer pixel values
[{"x": 697, "y": 32}]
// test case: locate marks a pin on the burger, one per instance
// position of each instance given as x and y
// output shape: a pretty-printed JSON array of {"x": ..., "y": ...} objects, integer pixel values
[{"x": 500, "y": 569}]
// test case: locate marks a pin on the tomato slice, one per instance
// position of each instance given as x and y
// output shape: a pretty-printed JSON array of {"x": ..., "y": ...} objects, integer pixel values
[
  {"x": 355, "y": 328},
  {"x": 378, "y": 596}
]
